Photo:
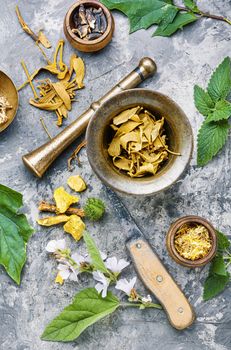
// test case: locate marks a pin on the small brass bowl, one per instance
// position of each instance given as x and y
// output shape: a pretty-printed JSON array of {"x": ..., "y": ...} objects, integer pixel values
[
  {"x": 178, "y": 130},
  {"x": 171, "y": 246},
  {"x": 9, "y": 91},
  {"x": 88, "y": 45}
]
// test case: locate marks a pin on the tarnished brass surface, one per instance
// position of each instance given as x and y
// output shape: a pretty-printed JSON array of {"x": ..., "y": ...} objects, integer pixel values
[
  {"x": 39, "y": 160},
  {"x": 8, "y": 89},
  {"x": 178, "y": 131}
]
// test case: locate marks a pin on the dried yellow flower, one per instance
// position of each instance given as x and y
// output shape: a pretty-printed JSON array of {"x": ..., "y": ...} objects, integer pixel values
[
  {"x": 192, "y": 241},
  {"x": 63, "y": 200},
  {"x": 59, "y": 279},
  {"x": 75, "y": 226},
  {"x": 79, "y": 69},
  {"x": 138, "y": 146},
  {"x": 53, "y": 220},
  {"x": 76, "y": 183}
]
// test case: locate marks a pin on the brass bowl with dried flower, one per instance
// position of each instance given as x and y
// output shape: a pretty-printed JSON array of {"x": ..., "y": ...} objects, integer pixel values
[
  {"x": 88, "y": 25},
  {"x": 8, "y": 101},
  {"x": 192, "y": 241},
  {"x": 136, "y": 169}
]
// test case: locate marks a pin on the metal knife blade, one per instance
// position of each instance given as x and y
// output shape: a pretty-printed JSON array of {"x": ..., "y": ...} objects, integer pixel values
[{"x": 151, "y": 270}]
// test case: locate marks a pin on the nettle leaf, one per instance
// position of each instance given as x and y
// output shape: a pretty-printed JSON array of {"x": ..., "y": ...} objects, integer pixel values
[
  {"x": 222, "y": 240},
  {"x": 218, "y": 266},
  {"x": 222, "y": 111},
  {"x": 94, "y": 253},
  {"x": 203, "y": 101},
  {"x": 214, "y": 285},
  {"x": 211, "y": 138},
  {"x": 15, "y": 232},
  {"x": 179, "y": 22},
  {"x": 220, "y": 81},
  {"x": 190, "y": 4},
  {"x": 87, "y": 308}
]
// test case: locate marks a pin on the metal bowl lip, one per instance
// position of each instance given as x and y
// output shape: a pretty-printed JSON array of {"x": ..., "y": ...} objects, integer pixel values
[
  {"x": 89, "y": 43},
  {"x": 101, "y": 175},
  {"x": 170, "y": 240},
  {"x": 6, "y": 125}
]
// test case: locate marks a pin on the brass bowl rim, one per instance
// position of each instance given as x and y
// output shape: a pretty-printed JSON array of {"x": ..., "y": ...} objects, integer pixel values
[
  {"x": 5, "y": 125},
  {"x": 89, "y": 43},
  {"x": 90, "y": 133},
  {"x": 171, "y": 246}
]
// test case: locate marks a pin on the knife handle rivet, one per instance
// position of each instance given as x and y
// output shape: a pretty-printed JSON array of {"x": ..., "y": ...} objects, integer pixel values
[
  {"x": 138, "y": 245},
  {"x": 159, "y": 278},
  {"x": 180, "y": 310}
]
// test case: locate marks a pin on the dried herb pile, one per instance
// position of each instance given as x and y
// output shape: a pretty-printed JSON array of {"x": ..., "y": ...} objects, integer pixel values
[
  {"x": 193, "y": 242},
  {"x": 4, "y": 105},
  {"x": 139, "y": 143},
  {"x": 57, "y": 95},
  {"x": 89, "y": 23}
]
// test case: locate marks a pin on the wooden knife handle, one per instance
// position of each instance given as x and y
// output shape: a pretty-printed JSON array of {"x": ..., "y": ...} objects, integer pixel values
[{"x": 157, "y": 279}]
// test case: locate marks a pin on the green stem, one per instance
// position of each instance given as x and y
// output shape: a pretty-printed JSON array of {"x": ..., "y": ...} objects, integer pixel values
[
  {"x": 151, "y": 305},
  {"x": 205, "y": 14}
]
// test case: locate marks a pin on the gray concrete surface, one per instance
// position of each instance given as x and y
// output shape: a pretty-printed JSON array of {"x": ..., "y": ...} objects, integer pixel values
[{"x": 183, "y": 60}]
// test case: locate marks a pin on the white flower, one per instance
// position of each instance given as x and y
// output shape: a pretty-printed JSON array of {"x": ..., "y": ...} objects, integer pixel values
[
  {"x": 147, "y": 299},
  {"x": 103, "y": 284},
  {"x": 116, "y": 266},
  {"x": 125, "y": 285},
  {"x": 53, "y": 246},
  {"x": 67, "y": 272},
  {"x": 78, "y": 259}
]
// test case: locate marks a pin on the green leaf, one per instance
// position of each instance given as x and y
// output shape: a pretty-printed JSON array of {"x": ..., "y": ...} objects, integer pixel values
[
  {"x": 218, "y": 266},
  {"x": 214, "y": 285},
  {"x": 203, "y": 101},
  {"x": 190, "y": 4},
  {"x": 94, "y": 253},
  {"x": 220, "y": 82},
  {"x": 15, "y": 232},
  {"x": 10, "y": 198},
  {"x": 179, "y": 22},
  {"x": 222, "y": 111},
  {"x": 87, "y": 308},
  {"x": 222, "y": 240},
  {"x": 211, "y": 138}
]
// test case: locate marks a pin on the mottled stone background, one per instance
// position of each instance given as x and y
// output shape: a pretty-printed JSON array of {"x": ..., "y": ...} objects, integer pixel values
[{"x": 183, "y": 60}]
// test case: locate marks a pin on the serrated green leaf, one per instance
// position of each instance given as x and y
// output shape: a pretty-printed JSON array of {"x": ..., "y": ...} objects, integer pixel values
[
  {"x": 94, "y": 253},
  {"x": 15, "y": 232},
  {"x": 203, "y": 101},
  {"x": 222, "y": 240},
  {"x": 222, "y": 111},
  {"x": 190, "y": 4},
  {"x": 181, "y": 20},
  {"x": 87, "y": 308},
  {"x": 220, "y": 82},
  {"x": 211, "y": 138},
  {"x": 218, "y": 266},
  {"x": 214, "y": 285}
]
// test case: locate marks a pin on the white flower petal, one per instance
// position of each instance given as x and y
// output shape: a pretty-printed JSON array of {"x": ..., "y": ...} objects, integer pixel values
[
  {"x": 51, "y": 246},
  {"x": 78, "y": 258},
  {"x": 99, "y": 287},
  {"x": 103, "y": 255},
  {"x": 64, "y": 274},
  {"x": 99, "y": 276},
  {"x": 122, "y": 264},
  {"x": 61, "y": 244},
  {"x": 125, "y": 285},
  {"x": 104, "y": 292},
  {"x": 73, "y": 277},
  {"x": 116, "y": 266}
]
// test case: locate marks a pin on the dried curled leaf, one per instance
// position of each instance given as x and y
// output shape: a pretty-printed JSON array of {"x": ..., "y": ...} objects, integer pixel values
[
  {"x": 76, "y": 183},
  {"x": 63, "y": 200},
  {"x": 75, "y": 226},
  {"x": 53, "y": 220},
  {"x": 138, "y": 146},
  {"x": 79, "y": 69}
]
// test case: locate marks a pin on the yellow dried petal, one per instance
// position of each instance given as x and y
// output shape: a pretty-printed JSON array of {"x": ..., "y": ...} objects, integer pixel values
[
  {"x": 114, "y": 148},
  {"x": 127, "y": 127},
  {"x": 122, "y": 163},
  {"x": 125, "y": 115},
  {"x": 76, "y": 183},
  {"x": 79, "y": 69},
  {"x": 53, "y": 220},
  {"x": 75, "y": 226},
  {"x": 59, "y": 279},
  {"x": 62, "y": 93},
  {"x": 63, "y": 199},
  {"x": 43, "y": 40},
  {"x": 48, "y": 106}
]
